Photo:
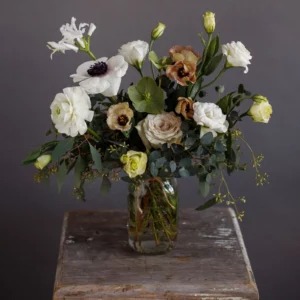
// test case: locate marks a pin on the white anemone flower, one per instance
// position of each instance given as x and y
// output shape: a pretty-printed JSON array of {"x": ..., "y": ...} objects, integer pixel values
[
  {"x": 72, "y": 37},
  {"x": 102, "y": 75},
  {"x": 70, "y": 110}
]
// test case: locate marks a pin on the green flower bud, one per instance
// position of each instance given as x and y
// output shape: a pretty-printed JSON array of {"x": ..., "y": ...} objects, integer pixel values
[
  {"x": 209, "y": 22},
  {"x": 43, "y": 161},
  {"x": 259, "y": 99},
  {"x": 261, "y": 110},
  {"x": 158, "y": 31}
]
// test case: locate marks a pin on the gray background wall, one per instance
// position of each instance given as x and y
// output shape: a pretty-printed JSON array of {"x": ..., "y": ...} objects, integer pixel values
[{"x": 32, "y": 214}]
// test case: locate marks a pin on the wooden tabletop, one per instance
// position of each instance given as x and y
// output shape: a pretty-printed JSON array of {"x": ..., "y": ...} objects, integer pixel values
[{"x": 209, "y": 262}]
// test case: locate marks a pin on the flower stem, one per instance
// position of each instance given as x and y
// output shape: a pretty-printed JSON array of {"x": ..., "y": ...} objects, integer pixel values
[
  {"x": 152, "y": 68},
  {"x": 91, "y": 54},
  {"x": 93, "y": 133},
  {"x": 219, "y": 75},
  {"x": 140, "y": 71},
  {"x": 205, "y": 53}
]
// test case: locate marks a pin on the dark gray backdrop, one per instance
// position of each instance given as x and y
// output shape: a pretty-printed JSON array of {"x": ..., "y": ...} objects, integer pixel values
[{"x": 32, "y": 214}]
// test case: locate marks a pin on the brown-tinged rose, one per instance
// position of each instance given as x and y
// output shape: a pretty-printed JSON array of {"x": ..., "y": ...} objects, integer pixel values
[
  {"x": 185, "y": 107},
  {"x": 184, "y": 53},
  {"x": 119, "y": 116},
  {"x": 182, "y": 72}
]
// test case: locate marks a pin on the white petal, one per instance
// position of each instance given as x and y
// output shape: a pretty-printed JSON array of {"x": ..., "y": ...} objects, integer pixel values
[
  {"x": 113, "y": 89},
  {"x": 117, "y": 66},
  {"x": 95, "y": 85},
  {"x": 82, "y": 69},
  {"x": 91, "y": 29},
  {"x": 78, "y": 78}
]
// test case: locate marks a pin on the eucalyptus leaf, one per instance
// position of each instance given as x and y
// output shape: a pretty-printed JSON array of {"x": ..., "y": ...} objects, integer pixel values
[
  {"x": 207, "y": 139},
  {"x": 172, "y": 166},
  {"x": 185, "y": 162},
  {"x": 204, "y": 188},
  {"x": 160, "y": 162},
  {"x": 79, "y": 168},
  {"x": 183, "y": 172},
  {"x": 207, "y": 204},
  {"x": 105, "y": 186},
  {"x": 61, "y": 175},
  {"x": 153, "y": 169},
  {"x": 96, "y": 158},
  {"x": 154, "y": 155},
  {"x": 146, "y": 96},
  {"x": 61, "y": 148}
]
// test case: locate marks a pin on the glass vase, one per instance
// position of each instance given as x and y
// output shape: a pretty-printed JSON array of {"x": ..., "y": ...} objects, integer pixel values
[{"x": 153, "y": 215}]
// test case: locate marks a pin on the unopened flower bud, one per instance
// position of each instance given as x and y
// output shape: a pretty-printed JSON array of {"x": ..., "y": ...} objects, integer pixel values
[
  {"x": 158, "y": 31},
  {"x": 43, "y": 161},
  {"x": 259, "y": 99},
  {"x": 209, "y": 22}
]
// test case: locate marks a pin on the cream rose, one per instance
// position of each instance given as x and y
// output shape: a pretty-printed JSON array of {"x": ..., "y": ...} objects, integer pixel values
[
  {"x": 156, "y": 130},
  {"x": 261, "y": 110},
  {"x": 237, "y": 55},
  {"x": 135, "y": 163},
  {"x": 210, "y": 115}
]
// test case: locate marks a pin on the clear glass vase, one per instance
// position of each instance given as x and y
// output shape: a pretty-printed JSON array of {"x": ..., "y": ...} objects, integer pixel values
[{"x": 153, "y": 215}]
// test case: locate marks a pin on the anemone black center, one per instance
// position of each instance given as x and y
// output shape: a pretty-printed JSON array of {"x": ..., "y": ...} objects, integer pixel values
[
  {"x": 123, "y": 120},
  {"x": 97, "y": 69}
]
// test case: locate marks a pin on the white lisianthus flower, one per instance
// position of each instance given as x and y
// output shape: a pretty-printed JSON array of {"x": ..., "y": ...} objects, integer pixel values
[
  {"x": 210, "y": 115},
  {"x": 156, "y": 130},
  {"x": 261, "y": 110},
  {"x": 237, "y": 55},
  {"x": 135, "y": 52},
  {"x": 102, "y": 75},
  {"x": 71, "y": 35},
  {"x": 70, "y": 110}
]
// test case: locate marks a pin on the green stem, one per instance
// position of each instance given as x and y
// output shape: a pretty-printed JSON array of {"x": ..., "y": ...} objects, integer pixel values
[
  {"x": 152, "y": 68},
  {"x": 91, "y": 54},
  {"x": 140, "y": 71},
  {"x": 204, "y": 54},
  {"x": 219, "y": 75},
  {"x": 93, "y": 133}
]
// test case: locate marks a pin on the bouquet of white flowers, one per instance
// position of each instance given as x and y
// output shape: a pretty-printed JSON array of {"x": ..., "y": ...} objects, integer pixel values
[{"x": 159, "y": 129}]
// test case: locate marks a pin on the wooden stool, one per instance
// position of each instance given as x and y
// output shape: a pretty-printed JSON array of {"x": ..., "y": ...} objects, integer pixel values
[{"x": 209, "y": 262}]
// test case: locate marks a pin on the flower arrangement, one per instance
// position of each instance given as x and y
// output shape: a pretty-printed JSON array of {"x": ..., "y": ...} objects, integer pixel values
[{"x": 160, "y": 127}]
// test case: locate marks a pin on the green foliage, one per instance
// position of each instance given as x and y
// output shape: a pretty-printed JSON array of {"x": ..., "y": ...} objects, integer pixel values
[
  {"x": 79, "y": 168},
  {"x": 212, "y": 64},
  {"x": 207, "y": 139},
  {"x": 96, "y": 158},
  {"x": 61, "y": 175},
  {"x": 209, "y": 203},
  {"x": 61, "y": 148},
  {"x": 146, "y": 96},
  {"x": 105, "y": 185}
]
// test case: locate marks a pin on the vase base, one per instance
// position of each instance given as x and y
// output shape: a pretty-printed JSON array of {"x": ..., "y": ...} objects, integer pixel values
[{"x": 149, "y": 247}]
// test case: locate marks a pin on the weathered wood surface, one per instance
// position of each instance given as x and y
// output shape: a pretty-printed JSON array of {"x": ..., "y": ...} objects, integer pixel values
[{"x": 209, "y": 262}]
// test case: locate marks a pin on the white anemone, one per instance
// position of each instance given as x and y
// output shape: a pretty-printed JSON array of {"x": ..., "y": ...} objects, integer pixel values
[{"x": 102, "y": 75}]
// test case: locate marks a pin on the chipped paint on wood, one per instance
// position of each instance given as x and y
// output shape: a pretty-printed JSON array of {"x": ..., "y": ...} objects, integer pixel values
[{"x": 210, "y": 261}]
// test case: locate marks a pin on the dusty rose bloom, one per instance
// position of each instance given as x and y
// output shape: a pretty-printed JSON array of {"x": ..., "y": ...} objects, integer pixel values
[
  {"x": 185, "y": 107},
  {"x": 182, "y": 72},
  {"x": 184, "y": 53}
]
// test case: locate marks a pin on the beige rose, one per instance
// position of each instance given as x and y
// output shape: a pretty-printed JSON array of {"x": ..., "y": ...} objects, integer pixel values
[
  {"x": 119, "y": 117},
  {"x": 156, "y": 130},
  {"x": 185, "y": 107}
]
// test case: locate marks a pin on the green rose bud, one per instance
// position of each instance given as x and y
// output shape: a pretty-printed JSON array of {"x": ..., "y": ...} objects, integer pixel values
[
  {"x": 261, "y": 110},
  {"x": 158, "y": 31},
  {"x": 259, "y": 99},
  {"x": 135, "y": 163},
  {"x": 43, "y": 161},
  {"x": 209, "y": 22}
]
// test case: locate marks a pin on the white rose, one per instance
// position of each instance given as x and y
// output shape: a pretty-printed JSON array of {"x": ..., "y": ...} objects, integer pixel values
[
  {"x": 210, "y": 115},
  {"x": 135, "y": 52},
  {"x": 261, "y": 110},
  {"x": 156, "y": 130},
  {"x": 237, "y": 55},
  {"x": 70, "y": 110}
]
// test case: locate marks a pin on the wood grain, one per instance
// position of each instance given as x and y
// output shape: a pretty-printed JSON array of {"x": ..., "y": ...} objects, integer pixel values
[{"x": 209, "y": 262}]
